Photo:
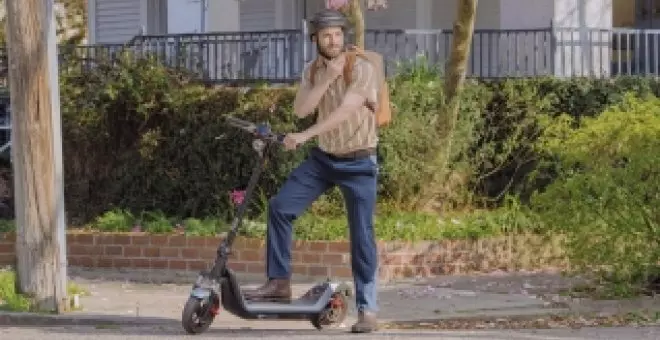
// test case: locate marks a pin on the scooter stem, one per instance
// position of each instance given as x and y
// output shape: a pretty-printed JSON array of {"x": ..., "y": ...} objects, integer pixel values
[{"x": 225, "y": 247}]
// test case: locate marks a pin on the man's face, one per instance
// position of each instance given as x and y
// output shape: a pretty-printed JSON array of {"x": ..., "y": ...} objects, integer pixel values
[{"x": 330, "y": 42}]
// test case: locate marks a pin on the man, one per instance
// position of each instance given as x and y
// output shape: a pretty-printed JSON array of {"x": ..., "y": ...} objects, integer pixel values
[{"x": 346, "y": 157}]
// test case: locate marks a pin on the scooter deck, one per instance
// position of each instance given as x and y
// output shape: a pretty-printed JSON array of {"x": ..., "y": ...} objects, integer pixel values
[
  {"x": 312, "y": 302},
  {"x": 306, "y": 304}
]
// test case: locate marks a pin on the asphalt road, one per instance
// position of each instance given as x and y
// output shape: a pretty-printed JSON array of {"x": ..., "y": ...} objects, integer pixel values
[{"x": 165, "y": 333}]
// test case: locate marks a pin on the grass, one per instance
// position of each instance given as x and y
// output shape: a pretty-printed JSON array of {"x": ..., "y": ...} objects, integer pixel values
[
  {"x": 391, "y": 224},
  {"x": 10, "y": 300}
]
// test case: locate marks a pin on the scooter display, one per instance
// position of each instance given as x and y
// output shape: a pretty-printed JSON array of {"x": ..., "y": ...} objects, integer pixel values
[{"x": 324, "y": 305}]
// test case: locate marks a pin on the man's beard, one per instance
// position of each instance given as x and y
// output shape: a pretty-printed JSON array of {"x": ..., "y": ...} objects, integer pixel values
[{"x": 327, "y": 55}]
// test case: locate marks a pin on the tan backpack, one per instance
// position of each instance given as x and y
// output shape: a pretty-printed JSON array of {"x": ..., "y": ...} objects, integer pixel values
[{"x": 383, "y": 109}]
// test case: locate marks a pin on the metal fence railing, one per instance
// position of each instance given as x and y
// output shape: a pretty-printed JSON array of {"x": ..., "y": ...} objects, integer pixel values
[{"x": 279, "y": 56}]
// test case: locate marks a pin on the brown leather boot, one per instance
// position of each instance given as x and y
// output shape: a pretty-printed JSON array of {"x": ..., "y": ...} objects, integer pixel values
[
  {"x": 366, "y": 323},
  {"x": 273, "y": 289}
]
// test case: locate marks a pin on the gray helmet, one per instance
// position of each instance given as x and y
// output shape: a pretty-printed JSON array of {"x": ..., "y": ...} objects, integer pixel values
[{"x": 327, "y": 18}]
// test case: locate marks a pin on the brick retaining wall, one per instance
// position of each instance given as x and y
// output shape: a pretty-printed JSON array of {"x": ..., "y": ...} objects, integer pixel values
[{"x": 309, "y": 258}]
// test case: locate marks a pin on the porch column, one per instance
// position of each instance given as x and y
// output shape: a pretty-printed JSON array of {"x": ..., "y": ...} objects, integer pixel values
[
  {"x": 91, "y": 22},
  {"x": 144, "y": 17},
  {"x": 580, "y": 49},
  {"x": 424, "y": 14}
]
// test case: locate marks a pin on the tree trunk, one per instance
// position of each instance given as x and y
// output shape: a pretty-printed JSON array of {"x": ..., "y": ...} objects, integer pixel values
[
  {"x": 455, "y": 77},
  {"x": 39, "y": 266},
  {"x": 462, "y": 41},
  {"x": 354, "y": 13}
]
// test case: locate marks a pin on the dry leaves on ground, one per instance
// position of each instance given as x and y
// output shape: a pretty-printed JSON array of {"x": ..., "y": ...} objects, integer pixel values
[{"x": 538, "y": 322}]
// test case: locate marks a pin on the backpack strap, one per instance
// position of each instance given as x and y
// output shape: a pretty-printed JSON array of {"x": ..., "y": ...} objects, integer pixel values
[{"x": 348, "y": 67}]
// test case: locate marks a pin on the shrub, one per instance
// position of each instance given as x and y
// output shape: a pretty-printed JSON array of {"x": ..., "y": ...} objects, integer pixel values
[
  {"x": 141, "y": 137},
  {"x": 412, "y": 141},
  {"x": 607, "y": 195},
  {"x": 504, "y": 157}
]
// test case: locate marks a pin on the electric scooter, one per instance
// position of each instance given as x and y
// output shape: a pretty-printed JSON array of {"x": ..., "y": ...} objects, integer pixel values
[{"x": 325, "y": 304}]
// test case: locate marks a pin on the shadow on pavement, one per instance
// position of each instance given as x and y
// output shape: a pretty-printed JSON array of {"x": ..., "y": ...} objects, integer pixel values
[
  {"x": 171, "y": 331},
  {"x": 40, "y": 320}
]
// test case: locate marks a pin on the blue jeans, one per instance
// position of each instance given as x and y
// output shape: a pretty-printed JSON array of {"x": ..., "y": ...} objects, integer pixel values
[{"x": 316, "y": 175}]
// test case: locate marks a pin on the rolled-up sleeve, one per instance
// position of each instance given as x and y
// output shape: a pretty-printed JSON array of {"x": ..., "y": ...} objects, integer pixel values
[{"x": 305, "y": 81}]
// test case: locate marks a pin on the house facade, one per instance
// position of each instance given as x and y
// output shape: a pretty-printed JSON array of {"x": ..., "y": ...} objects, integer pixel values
[
  {"x": 117, "y": 21},
  {"x": 513, "y": 38}
]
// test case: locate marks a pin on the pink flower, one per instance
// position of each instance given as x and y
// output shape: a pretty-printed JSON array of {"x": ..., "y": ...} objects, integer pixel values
[
  {"x": 375, "y": 5},
  {"x": 335, "y": 4},
  {"x": 137, "y": 228},
  {"x": 237, "y": 196}
]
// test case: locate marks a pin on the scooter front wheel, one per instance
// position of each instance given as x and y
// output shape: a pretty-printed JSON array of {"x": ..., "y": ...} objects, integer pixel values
[
  {"x": 198, "y": 315},
  {"x": 334, "y": 314}
]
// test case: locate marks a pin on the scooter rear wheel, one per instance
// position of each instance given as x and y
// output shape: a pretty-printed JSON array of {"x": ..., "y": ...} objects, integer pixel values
[
  {"x": 334, "y": 314},
  {"x": 197, "y": 316}
]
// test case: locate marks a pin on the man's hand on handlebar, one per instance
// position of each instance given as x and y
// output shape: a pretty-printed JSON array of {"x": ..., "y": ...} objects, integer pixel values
[
  {"x": 293, "y": 140},
  {"x": 290, "y": 141}
]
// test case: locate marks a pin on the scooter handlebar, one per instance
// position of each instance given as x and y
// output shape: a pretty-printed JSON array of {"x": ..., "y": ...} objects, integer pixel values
[{"x": 261, "y": 131}]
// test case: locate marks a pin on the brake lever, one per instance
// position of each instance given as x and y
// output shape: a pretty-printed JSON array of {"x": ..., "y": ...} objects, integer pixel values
[{"x": 258, "y": 130}]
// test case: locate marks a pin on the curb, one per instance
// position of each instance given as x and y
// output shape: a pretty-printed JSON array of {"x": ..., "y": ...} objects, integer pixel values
[
  {"x": 555, "y": 320},
  {"x": 471, "y": 318},
  {"x": 75, "y": 319},
  {"x": 36, "y": 319}
]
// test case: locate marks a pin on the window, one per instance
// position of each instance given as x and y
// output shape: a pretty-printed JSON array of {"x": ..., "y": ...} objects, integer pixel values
[
  {"x": 623, "y": 13},
  {"x": 648, "y": 13}
]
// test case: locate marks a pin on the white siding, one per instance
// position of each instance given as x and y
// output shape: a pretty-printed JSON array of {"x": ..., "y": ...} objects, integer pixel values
[
  {"x": 257, "y": 15},
  {"x": 401, "y": 14},
  {"x": 223, "y": 16},
  {"x": 488, "y": 14},
  {"x": 584, "y": 13},
  {"x": 183, "y": 16},
  {"x": 314, "y": 6},
  {"x": 116, "y": 21},
  {"x": 538, "y": 13}
]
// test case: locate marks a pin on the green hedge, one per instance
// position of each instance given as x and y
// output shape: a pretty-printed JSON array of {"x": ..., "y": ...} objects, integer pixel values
[
  {"x": 606, "y": 196},
  {"x": 504, "y": 156},
  {"x": 143, "y": 137}
]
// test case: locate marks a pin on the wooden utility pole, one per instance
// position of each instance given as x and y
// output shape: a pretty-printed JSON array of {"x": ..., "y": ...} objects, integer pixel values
[{"x": 36, "y": 153}]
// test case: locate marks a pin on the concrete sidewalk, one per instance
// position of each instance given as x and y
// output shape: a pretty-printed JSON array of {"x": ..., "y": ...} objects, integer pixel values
[
  {"x": 149, "y": 298},
  {"x": 398, "y": 303}
]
